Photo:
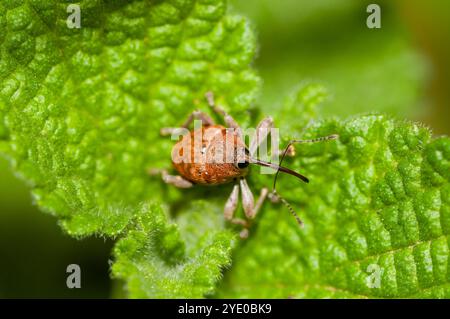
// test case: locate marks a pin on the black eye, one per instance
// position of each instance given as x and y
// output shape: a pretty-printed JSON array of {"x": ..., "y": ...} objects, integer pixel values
[{"x": 242, "y": 165}]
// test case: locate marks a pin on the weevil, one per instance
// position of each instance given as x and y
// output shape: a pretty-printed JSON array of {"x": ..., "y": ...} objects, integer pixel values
[{"x": 224, "y": 158}]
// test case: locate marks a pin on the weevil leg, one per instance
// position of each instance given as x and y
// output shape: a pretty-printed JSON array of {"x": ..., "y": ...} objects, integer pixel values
[
  {"x": 195, "y": 115},
  {"x": 174, "y": 180},
  {"x": 248, "y": 201},
  {"x": 198, "y": 115},
  {"x": 262, "y": 131},
  {"x": 229, "y": 121},
  {"x": 232, "y": 202},
  {"x": 230, "y": 208},
  {"x": 167, "y": 131}
]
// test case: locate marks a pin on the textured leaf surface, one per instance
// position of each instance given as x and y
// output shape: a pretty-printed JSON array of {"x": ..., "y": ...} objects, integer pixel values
[
  {"x": 81, "y": 109},
  {"x": 378, "y": 200},
  {"x": 80, "y": 113},
  {"x": 169, "y": 265}
]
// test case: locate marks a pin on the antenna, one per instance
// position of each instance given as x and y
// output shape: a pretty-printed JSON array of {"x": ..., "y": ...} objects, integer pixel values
[
  {"x": 279, "y": 168},
  {"x": 275, "y": 196},
  {"x": 319, "y": 139}
]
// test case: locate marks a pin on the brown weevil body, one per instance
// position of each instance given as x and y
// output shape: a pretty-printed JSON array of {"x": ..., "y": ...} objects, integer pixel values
[
  {"x": 206, "y": 171},
  {"x": 218, "y": 155}
]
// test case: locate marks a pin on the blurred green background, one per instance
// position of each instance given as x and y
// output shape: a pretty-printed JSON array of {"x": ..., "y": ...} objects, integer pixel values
[{"x": 401, "y": 69}]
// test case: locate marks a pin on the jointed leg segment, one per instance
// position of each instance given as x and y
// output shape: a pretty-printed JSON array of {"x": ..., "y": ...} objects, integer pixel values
[
  {"x": 232, "y": 202},
  {"x": 262, "y": 131},
  {"x": 195, "y": 115},
  {"x": 248, "y": 202},
  {"x": 199, "y": 115},
  {"x": 250, "y": 207},
  {"x": 174, "y": 180},
  {"x": 229, "y": 121}
]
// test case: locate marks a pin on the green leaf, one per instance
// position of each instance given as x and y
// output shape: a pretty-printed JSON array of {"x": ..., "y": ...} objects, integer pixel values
[
  {"x": 81, "y": 109},
  {"x": 377, "y": 204},
  {"x": 159, "y": 262},
  {"x": 80, "y": 113}
]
